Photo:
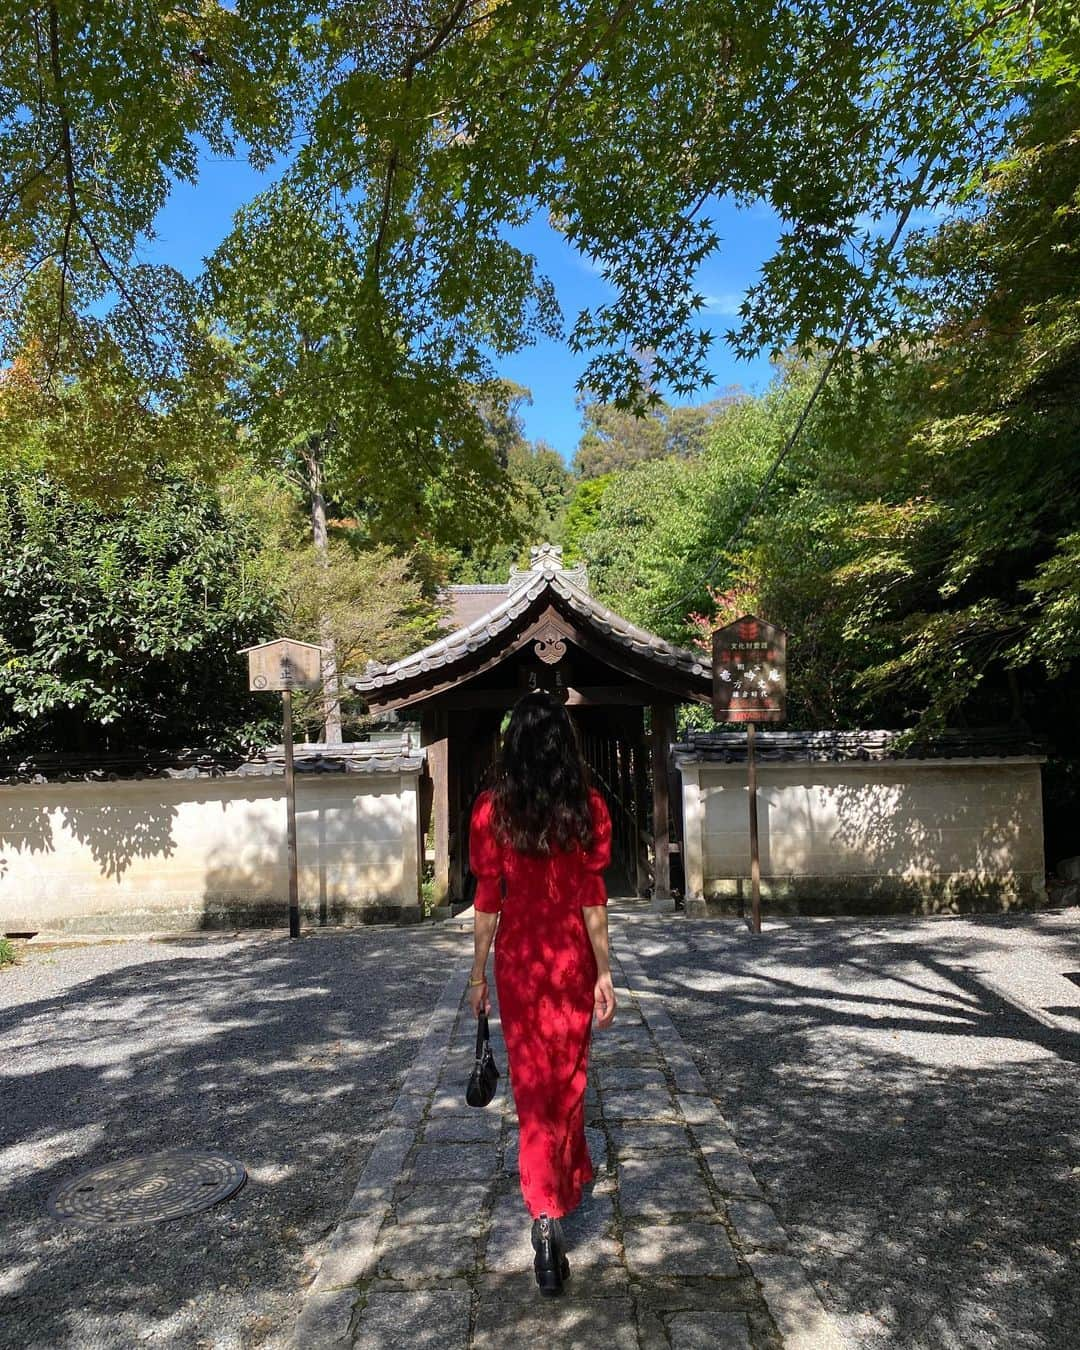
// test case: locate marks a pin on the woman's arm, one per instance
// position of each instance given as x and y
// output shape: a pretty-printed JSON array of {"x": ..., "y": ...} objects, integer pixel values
[
  {"x": 484, "y": 926},
  {"x": 596, "y": 925},
  {"x": 485, "y": 860}
]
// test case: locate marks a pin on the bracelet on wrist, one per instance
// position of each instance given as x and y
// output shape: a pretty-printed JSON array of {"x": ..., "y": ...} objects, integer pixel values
[{"x": 481, "y": 980}]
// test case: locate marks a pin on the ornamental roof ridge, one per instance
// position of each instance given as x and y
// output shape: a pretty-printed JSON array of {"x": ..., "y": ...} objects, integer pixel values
[{"x": 546, "y": 576}]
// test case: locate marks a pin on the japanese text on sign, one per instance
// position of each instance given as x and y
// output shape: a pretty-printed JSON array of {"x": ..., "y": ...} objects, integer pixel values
[{"x": 749, "y": 671}]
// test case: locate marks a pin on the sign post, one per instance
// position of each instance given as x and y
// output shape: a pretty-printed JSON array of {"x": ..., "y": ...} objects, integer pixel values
[
  {"x": 750, "y": 685},
  {"x": 287, "y": 665},
  {"x": 755, "y": 852},
  {"x": 290, "y": 811}
]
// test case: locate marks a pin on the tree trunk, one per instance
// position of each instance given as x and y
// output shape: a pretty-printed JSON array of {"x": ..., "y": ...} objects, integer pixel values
[{"x": 320, "y": 537}]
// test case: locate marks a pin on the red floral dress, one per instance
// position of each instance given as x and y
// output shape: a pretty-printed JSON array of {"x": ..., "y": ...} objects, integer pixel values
[{"x": 545, "y": 973}]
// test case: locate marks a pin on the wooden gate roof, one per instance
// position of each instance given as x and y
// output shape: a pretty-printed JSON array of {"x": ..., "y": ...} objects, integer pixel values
[{"x": 547, "y": 605}]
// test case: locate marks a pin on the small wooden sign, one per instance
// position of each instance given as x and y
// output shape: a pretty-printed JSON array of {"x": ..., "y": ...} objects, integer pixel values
[
  {"x": 284, "y": 664},
  {"x": 749, "y": 671}
]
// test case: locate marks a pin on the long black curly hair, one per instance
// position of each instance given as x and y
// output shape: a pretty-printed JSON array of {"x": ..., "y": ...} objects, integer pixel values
[{"x": 540, "y": 797}]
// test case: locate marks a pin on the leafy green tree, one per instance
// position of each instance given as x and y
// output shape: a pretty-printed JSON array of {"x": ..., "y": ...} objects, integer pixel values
[
  {"x": 540, "y": 471},
  {"x": 103, "y": 107},
  {"x": 990, "y": 480},
  {"x": 622, "y": 123},
  {"x": 614, "y": 439},
  {"x": 660, "y": 531},
  {"x": 429, "y": 132},
  {"x": 927, "y": 555},
  {"x": 328, "y": 389},
  {"x": 368, "y": 600},
  {"x": 500, "y": 408},
  {"x": 583, "y": 515},
  {"x": 325, "y": 380},
  {"x": 920, "y": 541},
  {"x": 120, "y": 626}
]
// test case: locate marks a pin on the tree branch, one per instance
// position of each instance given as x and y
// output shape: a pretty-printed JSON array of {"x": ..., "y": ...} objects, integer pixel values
[
  {"x": 74, "y": 213},
  {"x": 15, "y": 286},
  {"x": 569, "y": 78},
  {"x": 68, "y": 153},
  {"x": 16, "y": 194},
  {"x": 438, "y": 40},
  {"x": 819, "y": 384}
]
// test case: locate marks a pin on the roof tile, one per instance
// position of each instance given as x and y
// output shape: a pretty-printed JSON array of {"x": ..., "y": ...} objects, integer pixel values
[{"x": 471, "y": 638}]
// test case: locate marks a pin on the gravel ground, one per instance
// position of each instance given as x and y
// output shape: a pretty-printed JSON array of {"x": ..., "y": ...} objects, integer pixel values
[
  {"x": 907, "y": 1094},
  {"x": 283, "y": 1055},
  {"x": 905, "y": 1091}
]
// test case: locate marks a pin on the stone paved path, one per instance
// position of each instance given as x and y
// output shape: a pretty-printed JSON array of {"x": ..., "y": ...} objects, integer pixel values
[{"x": 674, "y": 1248}]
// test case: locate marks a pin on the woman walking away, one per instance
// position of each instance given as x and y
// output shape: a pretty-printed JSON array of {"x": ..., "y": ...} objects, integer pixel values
[{"x": 539, "y": 843}]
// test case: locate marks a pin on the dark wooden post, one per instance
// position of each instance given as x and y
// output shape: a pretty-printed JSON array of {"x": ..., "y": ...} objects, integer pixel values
[
  {"x": 640, "y": 797},
  {"x": 626, "y": 797},
  {"x": 290, "y": 810},
  {"x": 755, "y": 855},
  {"x": 455, "y": 750},
  {"x": 663, "y": 730},
  {"x": 286, "y": 665},
  {"x": 676, "y": 809},
  {"x": 435, "y": 738},
  {"x": 462, "y": 731},
  {"x": 440, "y": 807},
  {"x": 750, "y": 685}
]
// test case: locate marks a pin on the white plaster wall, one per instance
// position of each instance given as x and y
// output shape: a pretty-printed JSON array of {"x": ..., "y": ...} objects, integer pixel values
[
  {"x": 127, "y": 854},
  {"x": 926, "y": 828}
]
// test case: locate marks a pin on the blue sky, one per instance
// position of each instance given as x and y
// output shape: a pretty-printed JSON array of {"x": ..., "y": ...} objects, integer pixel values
[{"x": 198, "y": 216}]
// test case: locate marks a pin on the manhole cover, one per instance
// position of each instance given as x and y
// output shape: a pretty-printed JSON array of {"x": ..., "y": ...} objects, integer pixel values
[{"x": 143, "y": 1190}]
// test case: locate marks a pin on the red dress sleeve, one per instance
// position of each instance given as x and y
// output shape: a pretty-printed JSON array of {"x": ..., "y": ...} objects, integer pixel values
[
  {"x": 485, "y": 858},
  {"x": 596, "y": 859}
]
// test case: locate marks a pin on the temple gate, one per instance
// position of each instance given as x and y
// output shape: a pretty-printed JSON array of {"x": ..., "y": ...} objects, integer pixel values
[{"x": 544, "y": 630}]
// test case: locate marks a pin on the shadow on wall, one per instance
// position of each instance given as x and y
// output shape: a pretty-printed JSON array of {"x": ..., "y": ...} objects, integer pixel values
[
  {"x": 210, "y": 853},
  {"x": 350, "y": 869},
  {"x": 117, "y": 832},
  {"x": 915, "y": 1130},
  {"x": 945, "y": 842},
  {"x": 25, "y": 827},
  {"x": 908, "y": 821},
  {"x": 282, "y": 1054},
  {"x": 114, "y": 832}
]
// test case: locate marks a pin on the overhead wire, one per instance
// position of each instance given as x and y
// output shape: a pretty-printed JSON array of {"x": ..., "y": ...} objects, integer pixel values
[{"x": 834, "y": 356}]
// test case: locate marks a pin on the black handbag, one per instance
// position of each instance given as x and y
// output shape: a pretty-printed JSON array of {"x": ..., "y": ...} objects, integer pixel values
[{"x": 485, "y": 1075}]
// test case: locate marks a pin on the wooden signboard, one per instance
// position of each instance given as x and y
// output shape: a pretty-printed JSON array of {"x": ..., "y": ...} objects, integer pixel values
[
  {"x": 284, "y": 665},
  {"x": 749, "y": 671},
  {"x": 750, "y": 685}
]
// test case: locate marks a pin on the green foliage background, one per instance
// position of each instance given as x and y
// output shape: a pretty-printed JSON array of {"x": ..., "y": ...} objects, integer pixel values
[{"x": 120, "y": 625}]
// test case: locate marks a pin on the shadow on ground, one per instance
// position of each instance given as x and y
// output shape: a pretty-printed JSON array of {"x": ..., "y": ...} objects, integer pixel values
[
  {"x": 284, "y": 1055},
  {"x": 913, "y": 1124}
]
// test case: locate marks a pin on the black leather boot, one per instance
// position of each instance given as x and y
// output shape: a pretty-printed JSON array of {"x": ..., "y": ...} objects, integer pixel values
[{"x": 550, "y": 1263}]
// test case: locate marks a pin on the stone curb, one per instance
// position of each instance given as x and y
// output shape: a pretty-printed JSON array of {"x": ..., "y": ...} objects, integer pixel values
[
  {"x": 791, "y": 1299},
  {"x": 794, "y": 1305},
  {"x": 325, "y": 1320},
  {"x": 348, "y": 1253}
]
